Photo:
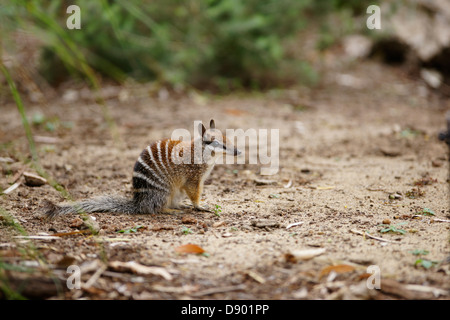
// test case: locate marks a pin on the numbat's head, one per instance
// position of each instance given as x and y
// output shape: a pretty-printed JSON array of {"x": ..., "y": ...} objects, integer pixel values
[{"x": 215, "y": 142}]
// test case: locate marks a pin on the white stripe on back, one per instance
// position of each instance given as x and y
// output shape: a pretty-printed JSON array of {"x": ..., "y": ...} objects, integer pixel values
[
  {"x": 154, "y": 174},
  {"x": 167, "y": 153},
  {"x": 154, "y": 161},
  {"x": 161, "y": 160},
  {"x": 148, "y": 180}
]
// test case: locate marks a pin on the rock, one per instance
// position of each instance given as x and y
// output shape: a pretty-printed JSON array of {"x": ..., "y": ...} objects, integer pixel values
[
  {"x": 429, "y": 32},
  {"x": 33, "y": 180},
  {"x": 432, "y": 77},
  {"x": 389, "y": 152},
  {"x": 90, "y": 223},
  {"x": 263, "y": 182},
  {"x": 76, "y": 223},
  {"x": 71, "y": 95},
  {"x": 6, "y": 160},
  {"x": 417, "y": 33},
  {"x": 357, "y": 46},
  {"x": 395, "y": 196},
  {"x": 436, "y": 163},
  {"x": 264, "y": 223}
]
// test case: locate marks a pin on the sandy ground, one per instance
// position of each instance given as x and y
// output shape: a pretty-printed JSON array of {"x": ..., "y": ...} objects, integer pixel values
[{"x": 357, "y": 152}]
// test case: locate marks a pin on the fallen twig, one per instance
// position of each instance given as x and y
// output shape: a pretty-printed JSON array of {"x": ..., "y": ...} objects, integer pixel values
[
  {"x": 47, "y": 140},
  {"x": 140, "y": 269},
  {"x": 294, "y": 224},
  {"x": 441, "y": 220},
  {"x": 12, "y": 188},
  {"x": 63, "y": 234},
  {"x": 183, "y": 289},
  {"x": 17, "y": 176},
  {"x": 94, "y": 277},
  {"x": 37, "y": 237},
  {"x": 426, "y": 289},
  {"x": 303, "y": 254},
  {"x": 369, "y": 235},
  {"x": 411, "y": 291},
  {"x": 208, "y": 292}
]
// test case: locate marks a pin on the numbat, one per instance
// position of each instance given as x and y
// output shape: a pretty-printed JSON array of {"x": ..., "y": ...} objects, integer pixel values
[{"x": 163, "y": 172}]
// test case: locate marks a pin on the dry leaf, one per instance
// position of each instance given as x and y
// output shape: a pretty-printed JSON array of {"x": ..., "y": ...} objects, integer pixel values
[
  {"x": 256, "y": 276},
  {"x": 66, "y": 261},
  {"x": 219, "y": 224},
  {"x": 161, "y": 227},
  {"x": 340, "y": 268},
  {"x": 364, "y": 276},
  {"x": 188, "y": 220},
  {"x": 189, "y": 248},
  {"x": 288, "y": 185},
  {"x": 76, "y": 223}
]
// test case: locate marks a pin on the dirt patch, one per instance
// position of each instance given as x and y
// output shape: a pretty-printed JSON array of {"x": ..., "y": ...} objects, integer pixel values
[{"x": 355, "y": 160}]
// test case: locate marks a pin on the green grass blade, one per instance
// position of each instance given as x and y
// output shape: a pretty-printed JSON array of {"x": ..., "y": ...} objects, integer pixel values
[{"x": 21, "y": 109}]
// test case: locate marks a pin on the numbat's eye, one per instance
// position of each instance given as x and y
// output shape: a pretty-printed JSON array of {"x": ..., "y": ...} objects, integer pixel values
[{"x": 209, "y": 141}]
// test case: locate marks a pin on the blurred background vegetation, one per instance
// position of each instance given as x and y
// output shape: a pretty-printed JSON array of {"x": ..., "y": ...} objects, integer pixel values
[{"x": 209, "y": 44}]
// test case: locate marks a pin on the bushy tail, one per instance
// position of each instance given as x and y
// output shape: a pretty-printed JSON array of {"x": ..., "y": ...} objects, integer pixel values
[{"x": 98, "y": 204}]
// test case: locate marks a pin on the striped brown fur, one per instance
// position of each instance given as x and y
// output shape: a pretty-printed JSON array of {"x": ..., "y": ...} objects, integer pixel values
[{"x": 160, "y": 179}]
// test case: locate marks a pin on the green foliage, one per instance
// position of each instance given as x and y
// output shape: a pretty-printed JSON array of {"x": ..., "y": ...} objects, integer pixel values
[
  {"x": 21, "y": 109},
  {"x": 393, "y": 229},
  {"x": 337, "y": 19},
  {"x": 418, "y": 252},
  {"x": 185, "y": 230},
  {"x": 220, "y": 44},
  {"x": 427, "y": 212},
  {"x": 209, "y": 43},
  {"x": 217, "y": 210},
  {"x": 130, "y": 230},
  {"x": 421, "y": 262},
  {"x": 427, "y": 264},
  {"x": 50, "y": 124},
  {"x": 356, "y": 7}
]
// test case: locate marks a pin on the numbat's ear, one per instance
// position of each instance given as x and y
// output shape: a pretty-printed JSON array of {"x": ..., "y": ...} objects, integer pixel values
[
  {"x": 212, "y": 124},
  {"x": 201, "y": 129}
]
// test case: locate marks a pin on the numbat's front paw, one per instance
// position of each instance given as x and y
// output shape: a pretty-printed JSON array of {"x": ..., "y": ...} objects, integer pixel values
[
  {"x": 202, "y": 208},
  {"x": 171, "y": 211}
]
